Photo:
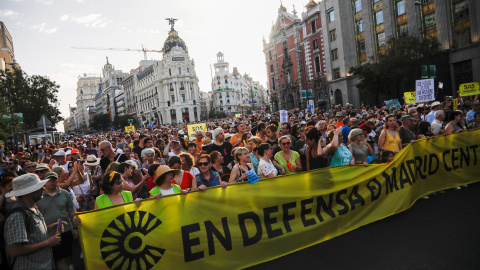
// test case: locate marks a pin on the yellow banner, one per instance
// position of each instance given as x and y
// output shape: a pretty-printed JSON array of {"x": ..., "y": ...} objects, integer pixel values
[
  {"x": 194, "y": 127},
  {"x": 455, "y": 104},
  {"x": 238, "y": 115},
  {"x": 469, "y": 89},
  {"x": 410, "y": 97},
  {"x": 129, "y": 129},
  {"x": 247, "y": 224}
]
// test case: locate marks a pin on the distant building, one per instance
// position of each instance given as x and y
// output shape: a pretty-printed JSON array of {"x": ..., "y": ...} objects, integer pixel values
[
  {"x": 105, "y": 102},
  {"x": 70, "y": 123},
  {"x": 7, "y": 53},
  {"x": 167, "y": 90},
  {"x": 86, "y": 91}
]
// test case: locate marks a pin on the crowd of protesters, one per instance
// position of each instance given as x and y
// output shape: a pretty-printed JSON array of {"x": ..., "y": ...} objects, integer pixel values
[{"x": 52, "y": 181}]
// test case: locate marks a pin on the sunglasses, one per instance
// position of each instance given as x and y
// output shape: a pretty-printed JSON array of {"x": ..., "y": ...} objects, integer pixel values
[
  {"x": 200, "y": 164},
  {"x": 41, "y": 171},
  {"x": 286, "y": 143}
]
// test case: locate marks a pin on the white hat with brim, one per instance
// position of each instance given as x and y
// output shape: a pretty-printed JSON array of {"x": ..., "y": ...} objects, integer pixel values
[
  {"x": 25, "y": 184},
  {"x": 92, "y": 160}
]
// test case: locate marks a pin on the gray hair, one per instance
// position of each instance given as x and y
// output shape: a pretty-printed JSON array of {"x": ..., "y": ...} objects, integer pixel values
[
  {"x": 354, "y": 133},
  {"x": 438, "y": 113},
  {"x": 107, "y": 143}
]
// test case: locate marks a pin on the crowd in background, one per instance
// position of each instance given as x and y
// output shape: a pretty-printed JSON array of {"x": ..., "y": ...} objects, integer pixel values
[{"x": 86, "y": 172}]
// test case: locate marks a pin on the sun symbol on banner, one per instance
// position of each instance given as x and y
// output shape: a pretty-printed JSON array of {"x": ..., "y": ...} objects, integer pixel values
[{"x": 124, "y": 242}]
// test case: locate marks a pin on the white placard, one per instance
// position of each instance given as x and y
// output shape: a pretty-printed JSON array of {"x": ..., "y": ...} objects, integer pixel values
[
  {"x": 283, "y": 116},
  {"x": 310, "y": 105},
  {"x": 425, "y": 90}
]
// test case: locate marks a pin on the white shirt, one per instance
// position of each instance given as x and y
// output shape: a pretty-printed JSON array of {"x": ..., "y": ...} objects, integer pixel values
[
  {"x": 265, "y": 168},
  {"x": 436, "y": 126},
  {"x": 167, "y": 191}
]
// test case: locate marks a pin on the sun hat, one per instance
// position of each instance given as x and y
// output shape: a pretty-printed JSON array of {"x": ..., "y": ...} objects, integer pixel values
[
  {"x": 59, "y": 153},
  {"x": 406, "y": 117},
  {"x": 69, "y": 152},
  {"x": 181, "y": 132},
  {"x": 161, "y": 170},
  {"x": 49, "y": 175},
  {"x": 25, "y": 184},
  {"x": 435, "y": 104},
  {"x": 41, "y": 167},
  {"x": 92, "y": 160}
]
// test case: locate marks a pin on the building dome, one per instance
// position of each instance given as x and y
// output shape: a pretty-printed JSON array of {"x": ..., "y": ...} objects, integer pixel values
[{"x": 173, "y": 40}]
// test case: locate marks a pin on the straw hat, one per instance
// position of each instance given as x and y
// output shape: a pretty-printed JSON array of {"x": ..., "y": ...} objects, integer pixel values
[
  {"x": 92, "y": 160},
  {"x": 161, "y": 170},
  {"x": 25, "y": 184}
]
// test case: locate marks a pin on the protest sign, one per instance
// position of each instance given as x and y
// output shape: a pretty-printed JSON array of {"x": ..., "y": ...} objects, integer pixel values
[
  {"x": 194, "y": 127},
  {"x": 410, "y": 97},
  {"x": 393, "y": 103},
  {"x": 247, "y": 224},
  {"x": 425, "y": 90},
  {"x": 303, "y": 94},
  {"x": 238, "y": 115},
  {"x": 469, "y": 89},
  {"x": 129, "y": 129},
  {"x": 311, "y": 105},
  {"x": 283, "y": 116},
  {"x": 455, "y": 104}
]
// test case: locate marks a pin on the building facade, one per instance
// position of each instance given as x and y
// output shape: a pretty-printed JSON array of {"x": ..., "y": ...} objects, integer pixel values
[
  {"x": 86, "y": 91},
  {"x": 7, "y": 53},
  {"x": 70, "y": 123},
  {"x": 167, "y": 91},
  {"x": 111, "y": 87},
  {"x": 294, "y": 58},
  {"x": 232, "y": 92}
]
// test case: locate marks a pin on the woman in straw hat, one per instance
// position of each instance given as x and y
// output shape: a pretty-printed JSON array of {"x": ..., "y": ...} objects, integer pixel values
[
  {"x": 112, "y": 186},
  {"x": 163, "y": 183}
]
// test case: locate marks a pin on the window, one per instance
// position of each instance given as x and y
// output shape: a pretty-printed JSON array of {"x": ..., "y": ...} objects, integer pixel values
[
  {"x": 331, "y": 16},
  {"x": 179, "y": 70},
  {"x": 379, "y": 17},
  {"x": 171, "y": 87},
  {"x": 313, "y": 25},
  {"x": 315, "y": 44},
  {"x": 381, "y": 39},
  {"x": 400, "y": 7},
  {"x": 333, "y": 35},
  {"x": 359, "y": 26},
  {"x": 180, "y": 85},
  {"x": 172, "y": 98},
  {"x": 376, "y": 1},
  {"x": 358, "y": 6},
  {"x": 170, "y": 71},
  {"x": 334, "y": 54},
  {"x": 270, "y": 54},
  {"x": 188, "y": 70},
  {"x": 271, "y": 68},
  {"x": 361, "y": 46},
  {"x": 430, "y": 21},
  {"x": 336, "y": 73},
  {"x": 317, "y": 64},
  {"x": 273, "y": 83},
  {"x": 182, "y": 98}
]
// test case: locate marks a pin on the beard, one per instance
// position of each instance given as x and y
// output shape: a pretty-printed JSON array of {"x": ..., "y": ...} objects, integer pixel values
[{"x": 38, "y": 197}]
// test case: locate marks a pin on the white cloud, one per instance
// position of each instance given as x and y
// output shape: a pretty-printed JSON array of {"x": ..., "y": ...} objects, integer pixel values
[
  {"x": 42, "y": 28},
  {"x": 6, "y": 13},
  {"x": 45, "y": 2},
  {"x": 92, "y": 20}
]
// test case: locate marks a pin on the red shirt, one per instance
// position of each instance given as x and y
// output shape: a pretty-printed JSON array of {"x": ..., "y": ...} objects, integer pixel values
[{"x": 186, "y": 181}]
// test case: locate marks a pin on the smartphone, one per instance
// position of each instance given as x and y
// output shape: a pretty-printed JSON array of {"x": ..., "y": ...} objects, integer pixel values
[{"x": 59, "y": 226}]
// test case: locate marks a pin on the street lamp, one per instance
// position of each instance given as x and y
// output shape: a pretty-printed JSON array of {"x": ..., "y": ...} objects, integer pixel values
[{"x": 13, "y": 64}]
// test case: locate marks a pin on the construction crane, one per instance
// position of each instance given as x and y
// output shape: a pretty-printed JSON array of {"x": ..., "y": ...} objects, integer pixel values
[{"x": 120, "y": 49}]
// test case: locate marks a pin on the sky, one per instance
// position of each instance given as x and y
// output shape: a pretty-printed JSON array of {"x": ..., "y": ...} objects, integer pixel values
[{"x": 44, "y": 32}]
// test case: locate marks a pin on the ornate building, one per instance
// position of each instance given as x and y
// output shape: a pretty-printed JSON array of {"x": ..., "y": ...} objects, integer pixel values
[
  {"x": 86, "y": 91},
  {"x": 294, "y": 58},
  {"x": 167, "y": 91},
  {"x": 106, "y": 100}
]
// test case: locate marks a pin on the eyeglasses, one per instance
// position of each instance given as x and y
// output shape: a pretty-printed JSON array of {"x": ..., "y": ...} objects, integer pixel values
[
  {"x": 200, "y": 164},
  {"x": 286, "y": 143}
]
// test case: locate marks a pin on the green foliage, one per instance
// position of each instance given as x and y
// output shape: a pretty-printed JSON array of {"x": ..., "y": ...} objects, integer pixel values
[
  {"x": 101, "y": 122},
  {"x": 398, "y": 68},
  {"x": 119, "y": 122},
  {"x": 31, "y": 95}
]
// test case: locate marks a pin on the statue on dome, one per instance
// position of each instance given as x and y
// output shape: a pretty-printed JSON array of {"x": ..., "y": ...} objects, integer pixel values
[{"x": 171, "y": 21}]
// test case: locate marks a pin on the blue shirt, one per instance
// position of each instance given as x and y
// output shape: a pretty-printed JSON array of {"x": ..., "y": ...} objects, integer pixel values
[
  {"x": 469, "y": 116},
  {"x": 214, "y": 179},
  {"x": 345, "y": 132}
]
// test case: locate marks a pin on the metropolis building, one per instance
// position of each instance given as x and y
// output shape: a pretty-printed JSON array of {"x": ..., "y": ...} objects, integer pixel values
[{"x": 167, "y": 91}]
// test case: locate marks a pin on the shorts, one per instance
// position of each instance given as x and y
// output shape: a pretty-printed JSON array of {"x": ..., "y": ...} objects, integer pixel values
[{"x": 65, "y": 248}]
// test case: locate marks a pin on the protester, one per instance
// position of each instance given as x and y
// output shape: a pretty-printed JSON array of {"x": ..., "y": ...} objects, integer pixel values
[
  {"x": 437, "y": 124},
  {"x": 164, "y": 183},
  {"x": 288, "y": 159},
  {"x": 252, "y": 146},
  {"x": 389, "y": 138},
  {"x": 217, "y": 161},
  {"x": 223, "y": 147},
  {"x": 26, "y": 233},
  {"x": 109, "y": 156},
  {"x": 359, "y": 147},
  {"x": 125, "y": 169},
  {"x": 239, "y": 171},
  {"x": 207, "y": 177},
  {"x": 405, "y": 132},
  {"x": 112, "y": 186},
  {"x": 337, "y": 151},
  {"x": 266, "y": 167}
]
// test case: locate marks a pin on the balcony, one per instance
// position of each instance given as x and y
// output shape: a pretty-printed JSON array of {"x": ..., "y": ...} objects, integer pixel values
[
  {"x": 378, "y": 6},
  {"x": 402, "y": 19}
]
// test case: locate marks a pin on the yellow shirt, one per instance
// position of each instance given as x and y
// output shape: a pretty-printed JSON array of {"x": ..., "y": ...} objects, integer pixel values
[{"x": 392, "y": 143}]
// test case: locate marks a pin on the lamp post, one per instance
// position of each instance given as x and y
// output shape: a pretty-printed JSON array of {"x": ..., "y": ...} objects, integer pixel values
[{"x": 11, "y": 108}]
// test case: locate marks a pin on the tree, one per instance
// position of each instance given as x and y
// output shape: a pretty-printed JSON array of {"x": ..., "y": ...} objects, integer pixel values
[
  {"x": 31, "y": 95},
  {"x": 397, "y": 69},
  {"x": 101, "y": 122},
  {"x": 119, "y": 122}
]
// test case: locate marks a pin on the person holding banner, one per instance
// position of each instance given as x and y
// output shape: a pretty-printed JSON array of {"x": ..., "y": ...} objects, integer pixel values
[
  {"x": 476, "y": 121},
  {"x": 339, "y": 152},
  {"x": 455, "y": 124},
  {"x": 266, "y": 167},
  {"x": 164, "y": 183},
  {"x": 113, "y": 193},
  {"x": 207, "y": 177},
  {"x": 288, "y": 159},
  {"x": 314, "y": 153},
  {"x": 389, "y": 138},
  {"x": 359, "y": 147},
  {"x": 475, "y": 109},
  {"x": 239, "y": 171}
]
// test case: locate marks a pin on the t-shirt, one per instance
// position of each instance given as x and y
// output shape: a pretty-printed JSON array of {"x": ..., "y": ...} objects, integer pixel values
[
  {"x": 55, "y": 207},
  {"x": 174, "y": 189},
  {"x": 225, "y": 150},
  {"x": 265, "y": 168},
  {"x": 138, "y": 150},
  {"x": 405, "y": 135},
  {"x": 235, "y": 138},
  {"x": 282, "y": 162},
  {"x": 341, "y": 157},
  {"x": 105, "y": 161}
]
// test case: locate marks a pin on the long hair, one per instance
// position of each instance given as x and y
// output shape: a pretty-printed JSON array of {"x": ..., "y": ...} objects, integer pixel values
[{"x": 385, "y": 126}]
